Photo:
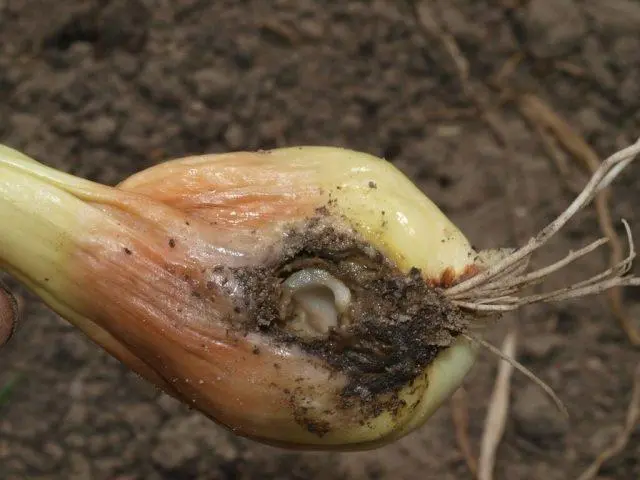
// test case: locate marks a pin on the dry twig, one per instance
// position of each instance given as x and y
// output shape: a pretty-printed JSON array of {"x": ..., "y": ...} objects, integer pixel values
[
  {"x": 507, "y": 69},
  {"x": 460, "y": 417},
  {"x": 496, "y": 418},
  {"x": 621, "y": 441},
  {"x": 559, "y": 157}
]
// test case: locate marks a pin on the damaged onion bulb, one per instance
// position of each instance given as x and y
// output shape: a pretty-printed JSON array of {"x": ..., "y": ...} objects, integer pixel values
[{"x": 306, "y": 297}]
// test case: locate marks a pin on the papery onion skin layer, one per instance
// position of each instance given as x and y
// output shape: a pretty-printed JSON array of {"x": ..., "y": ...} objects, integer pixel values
[{"x": 157, "y": 269}]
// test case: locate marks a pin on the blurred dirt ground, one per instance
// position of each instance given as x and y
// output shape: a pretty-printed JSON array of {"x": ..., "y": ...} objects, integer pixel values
[{"x": 105, "y": 88}]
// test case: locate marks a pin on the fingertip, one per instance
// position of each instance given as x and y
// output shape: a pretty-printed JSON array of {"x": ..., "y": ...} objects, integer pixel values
[{"x": 8, "y": 314}]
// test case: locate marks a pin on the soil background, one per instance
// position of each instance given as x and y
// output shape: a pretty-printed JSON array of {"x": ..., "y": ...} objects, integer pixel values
[{"x": 102, "y": 89}]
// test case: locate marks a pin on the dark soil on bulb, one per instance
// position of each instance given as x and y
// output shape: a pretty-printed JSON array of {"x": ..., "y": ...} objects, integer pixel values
[
  {"x": 103, "y": 89},
  {"x": 396, "y": 325}
]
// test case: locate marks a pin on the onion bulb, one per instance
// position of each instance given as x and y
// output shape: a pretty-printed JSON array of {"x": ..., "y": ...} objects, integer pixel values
[{"x": 307, "y": 297}]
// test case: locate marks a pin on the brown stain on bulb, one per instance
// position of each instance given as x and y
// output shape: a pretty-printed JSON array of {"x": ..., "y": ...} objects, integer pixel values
[{"x": 448, "y": 278}]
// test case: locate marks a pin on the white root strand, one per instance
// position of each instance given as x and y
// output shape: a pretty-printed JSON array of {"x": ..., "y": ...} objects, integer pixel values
[
  {"x": 496, "y": 301},
  {"x": 522, "y": 369},
  {"x": 495, "y": 289},
  {"x": 494, "y": 275},
  {"x": 533, "y": 277}
]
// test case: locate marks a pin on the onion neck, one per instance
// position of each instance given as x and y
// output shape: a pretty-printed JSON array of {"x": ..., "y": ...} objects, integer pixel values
[{"x": 41, "y": 220}]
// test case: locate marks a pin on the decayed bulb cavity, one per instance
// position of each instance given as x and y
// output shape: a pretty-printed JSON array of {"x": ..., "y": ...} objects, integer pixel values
[{"x": 290, "y": 295}]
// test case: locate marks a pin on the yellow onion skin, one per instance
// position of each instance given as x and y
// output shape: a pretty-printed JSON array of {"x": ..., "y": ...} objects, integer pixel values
[{"x": 143, "y": 269}]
